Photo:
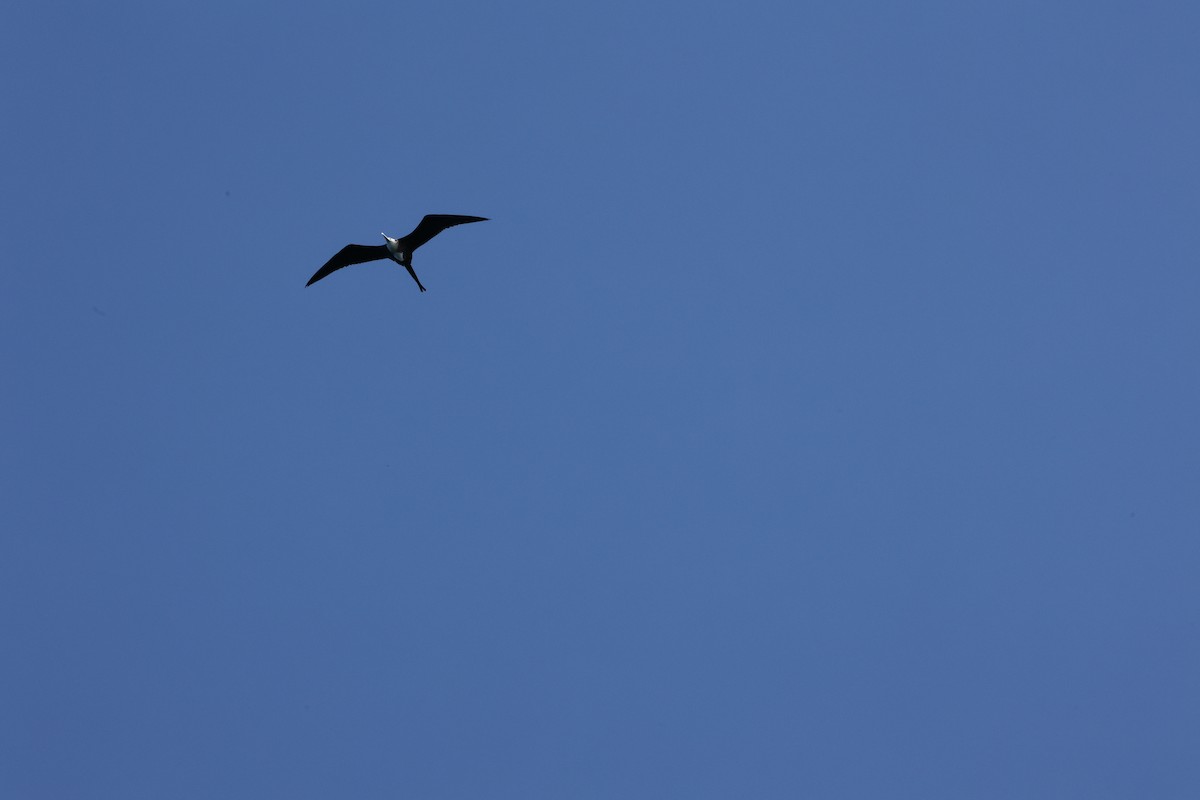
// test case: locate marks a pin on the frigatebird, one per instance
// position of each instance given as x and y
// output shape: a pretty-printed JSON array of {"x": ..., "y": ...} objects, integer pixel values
[{"x": 398, "y": 250}]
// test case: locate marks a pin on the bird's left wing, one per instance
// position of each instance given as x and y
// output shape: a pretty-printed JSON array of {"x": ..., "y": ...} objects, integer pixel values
[
  {"x": 350, "y": 254},
  {"x": 433, "y": 224}
]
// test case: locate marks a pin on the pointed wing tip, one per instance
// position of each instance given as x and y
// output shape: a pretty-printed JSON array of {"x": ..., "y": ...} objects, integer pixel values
[{"x": 454, "y": 219}]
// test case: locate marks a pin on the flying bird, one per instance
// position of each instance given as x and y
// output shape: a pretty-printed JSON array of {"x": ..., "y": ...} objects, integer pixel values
[{"x": 398, "y": 250}]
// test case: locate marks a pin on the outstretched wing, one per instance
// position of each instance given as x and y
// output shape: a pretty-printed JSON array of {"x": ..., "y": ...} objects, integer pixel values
[
  {"x": 350, "y": 254},
  {"x": 431, "y": 225}
]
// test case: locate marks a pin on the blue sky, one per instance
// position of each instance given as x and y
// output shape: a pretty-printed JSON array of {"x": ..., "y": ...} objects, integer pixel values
[{"x": 815, "y": 417}]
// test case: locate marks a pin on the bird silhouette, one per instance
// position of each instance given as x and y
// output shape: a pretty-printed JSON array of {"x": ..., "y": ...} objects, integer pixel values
[{"x": 398, "y": 250}]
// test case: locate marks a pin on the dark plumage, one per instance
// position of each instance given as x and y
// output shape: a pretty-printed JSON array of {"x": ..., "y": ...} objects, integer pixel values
[{"x": 398, "y": 250}]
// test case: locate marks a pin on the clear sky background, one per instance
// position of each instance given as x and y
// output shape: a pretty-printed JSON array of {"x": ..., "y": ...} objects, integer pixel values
[{"x": 817, "y": 415}]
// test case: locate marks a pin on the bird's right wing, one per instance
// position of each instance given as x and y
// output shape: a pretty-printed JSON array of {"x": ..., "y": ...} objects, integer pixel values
[{"x": 350, "y": 254}]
